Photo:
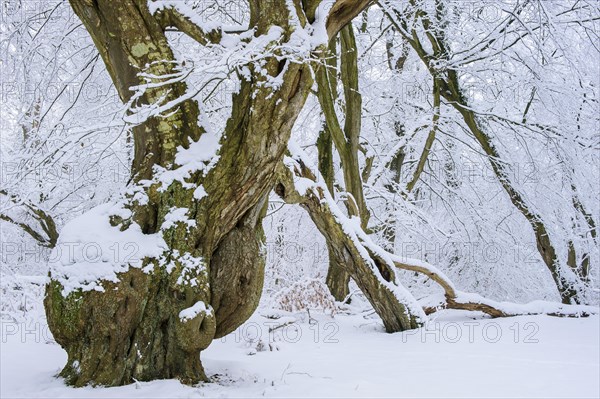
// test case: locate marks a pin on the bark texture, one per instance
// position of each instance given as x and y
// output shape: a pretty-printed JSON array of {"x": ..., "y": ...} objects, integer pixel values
[
  {"x": 367, "y": 272},
  {"x": 132, "y": 331},
  {"x": 346, "y": 142}
]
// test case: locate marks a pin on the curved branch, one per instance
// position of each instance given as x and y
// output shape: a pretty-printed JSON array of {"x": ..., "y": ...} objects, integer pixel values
[
  {"x": 342, "y": 12},
  {"x": 184, "y": 18},
  {"x": 453, "y": 298}
]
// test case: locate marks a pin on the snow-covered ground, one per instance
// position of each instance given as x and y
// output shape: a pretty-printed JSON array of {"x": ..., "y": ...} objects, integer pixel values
[{"x": 457, "y": 355}]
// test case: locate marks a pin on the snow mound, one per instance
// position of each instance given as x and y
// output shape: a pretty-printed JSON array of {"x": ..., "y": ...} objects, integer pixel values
[
  {"x": 90, "y": 249},
  {"x": 193, "y": 311}
]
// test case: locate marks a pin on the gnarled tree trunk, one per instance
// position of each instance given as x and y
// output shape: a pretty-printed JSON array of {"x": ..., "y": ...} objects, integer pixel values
[
  {"x": 151, "y": 322},
  {"x": 133, "y": 329}
]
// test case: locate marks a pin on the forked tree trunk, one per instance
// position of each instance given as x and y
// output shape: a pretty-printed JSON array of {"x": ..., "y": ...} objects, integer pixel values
[
  {"x": 132, "y": 330},
  {"x": 214, "y": 264}
]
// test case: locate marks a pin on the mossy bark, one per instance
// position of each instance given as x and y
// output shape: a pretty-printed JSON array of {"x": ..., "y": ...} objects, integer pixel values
[
  {"x": 132, "y": 330},
  {"x": 346, "y": 141},
  {"x": 337, "y": 278}
]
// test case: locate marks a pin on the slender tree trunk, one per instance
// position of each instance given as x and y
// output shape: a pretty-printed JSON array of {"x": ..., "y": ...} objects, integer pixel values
[
  {"x": 566, "y": 281},
  {"x": 373, "y": 277},
  {"x": 346, "y": 142},
  {"x": 352, "y": 125},
  {"x": 565, "y": 285},
  {"x": 395, "y": 167},
  {"x": 396, "y": 64},
  {"x": 581, "y": 267},
  {"x": 337, "y": 279}
]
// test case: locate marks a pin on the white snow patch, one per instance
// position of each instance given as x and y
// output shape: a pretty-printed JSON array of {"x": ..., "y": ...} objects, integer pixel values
[
  {"x": 177, "y": 215},
  {"x": 200, "y": 193},
  {"x": 192, "y": 267},
  {"x": 193, "y": 311},
  {"x": 454, "y": 356},
  {"x": 186, "y": 11},
  {"x": 200, "y": 156},
  {"x": 90, "y": 249}
]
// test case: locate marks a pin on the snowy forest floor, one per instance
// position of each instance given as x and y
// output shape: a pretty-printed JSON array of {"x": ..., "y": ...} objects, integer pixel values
[{"x": 457, "y": 354}]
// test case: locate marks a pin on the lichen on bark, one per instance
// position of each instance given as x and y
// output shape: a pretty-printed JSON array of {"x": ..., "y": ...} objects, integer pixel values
[{"x": 131, "y": 330}]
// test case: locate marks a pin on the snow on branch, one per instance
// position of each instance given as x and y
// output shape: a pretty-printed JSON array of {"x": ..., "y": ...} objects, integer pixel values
[
  {"x": 184, "y": 18},
  {"x": 308, "y": 183},
  {"x": 83, "y": 257},
  {"x": 49, "y": 234}
]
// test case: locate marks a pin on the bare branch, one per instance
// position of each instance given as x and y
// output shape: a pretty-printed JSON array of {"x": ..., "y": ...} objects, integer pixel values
[
  {"x": 342, "y": 12},
  {"x": 46, "y": 222},
  {"x": 173, "y": 16}
]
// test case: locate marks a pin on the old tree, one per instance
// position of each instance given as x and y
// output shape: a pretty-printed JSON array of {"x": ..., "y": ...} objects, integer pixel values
[
  {"x": 196, "y": 199},
  {"x": 132, "y": 329}
]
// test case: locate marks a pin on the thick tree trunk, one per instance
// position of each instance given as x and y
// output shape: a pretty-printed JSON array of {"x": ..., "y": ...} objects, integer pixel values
[{"x": 132, "y": 330}]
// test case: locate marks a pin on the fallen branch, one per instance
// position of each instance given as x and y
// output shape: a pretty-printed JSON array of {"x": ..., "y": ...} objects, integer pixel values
[{"x": 475, "y": 302}]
